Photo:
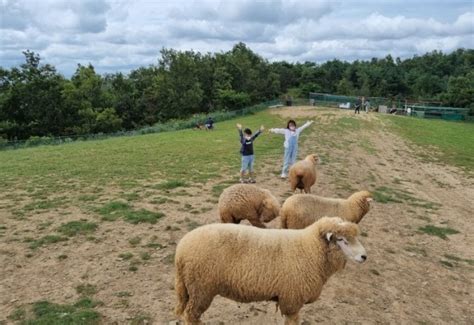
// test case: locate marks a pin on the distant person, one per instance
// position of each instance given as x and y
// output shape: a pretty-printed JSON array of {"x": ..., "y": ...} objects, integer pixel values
[
  {"x": 291, "y": 143},
  {"x": 246, "y": 150},
  {"x": 358, "y": 103},
  {"x": 209, "y": 123},
  {"x": 367, "y": 106}
]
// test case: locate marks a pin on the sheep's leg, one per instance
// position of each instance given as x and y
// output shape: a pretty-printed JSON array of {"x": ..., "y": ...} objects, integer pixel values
[
  {"x": 195, "y": 308},
  {"x": 293, "y": 319},
  {"x": 290, "y": 309}
]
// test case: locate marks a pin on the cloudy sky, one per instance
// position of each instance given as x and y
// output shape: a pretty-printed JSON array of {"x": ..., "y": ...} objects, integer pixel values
[{"x": 120, "y": 35}]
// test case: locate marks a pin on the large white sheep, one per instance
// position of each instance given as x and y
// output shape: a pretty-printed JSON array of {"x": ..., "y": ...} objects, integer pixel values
[
  {"x": 301, "y": 210},
  {"x": 245, "y": 201},
  {"x": 249, "y": 264},
  {"x": 303, "y": 174}
]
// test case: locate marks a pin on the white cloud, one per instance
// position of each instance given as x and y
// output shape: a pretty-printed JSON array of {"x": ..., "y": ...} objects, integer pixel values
[{"x": 118, "y": 35}]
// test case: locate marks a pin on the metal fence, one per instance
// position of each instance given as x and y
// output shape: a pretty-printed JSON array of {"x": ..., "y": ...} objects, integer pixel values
[
  {"x": 399, "y": 106},
  {"x": 171, "y": 125}
]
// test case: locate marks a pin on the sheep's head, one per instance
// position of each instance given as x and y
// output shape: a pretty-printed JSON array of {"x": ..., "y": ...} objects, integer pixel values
[
  {"x": 343, "y": 235},
  {"x": 314, "y": 159},
  {"x": 361, "y": 202},
  {"x": 270, "y": 208}
]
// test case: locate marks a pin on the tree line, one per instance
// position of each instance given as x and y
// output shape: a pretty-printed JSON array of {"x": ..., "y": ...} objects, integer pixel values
[{"x": 36, "y": 100}]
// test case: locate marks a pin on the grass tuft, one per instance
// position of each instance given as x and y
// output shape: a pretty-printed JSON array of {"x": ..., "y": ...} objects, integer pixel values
[
  {"x": 46, "y": 240},
  {"x": 86, "y": 289},
  {"x": 438, "y": 231},
  {"x": 116, "y": 209},
  {"x": 45, "y": 312},
  {"x": 79, "y": 227},
  {"x": 171, "y": 184}
]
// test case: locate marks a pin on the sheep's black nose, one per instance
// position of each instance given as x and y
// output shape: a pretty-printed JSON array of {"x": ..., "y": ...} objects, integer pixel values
[{"x": 363, "y": 257}]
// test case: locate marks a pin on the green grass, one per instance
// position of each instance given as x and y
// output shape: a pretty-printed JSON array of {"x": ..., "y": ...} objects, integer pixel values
[
  {"x": 125, "y": 256},
  {"x": 145, "y": 256},
  {"x": 74, "y": 228},
  {"x": 86, "y": 289},
  {"x": 46, "y": 240},
  {"x": 46, "y": 313},
  {"x": 115, "y": 210},
  {"x": 453, "y": 140},
  {"x": 440, "y": 232},
  {"x": 189, "y": 155},
  {"x": 134, "y": 241},
  {"x": 171, "y": 184},
  {"x": 385, "y": 194},
  {"x": 458, "y": 259}
]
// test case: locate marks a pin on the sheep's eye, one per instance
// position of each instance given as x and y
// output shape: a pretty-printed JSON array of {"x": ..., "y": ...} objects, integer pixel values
[{"x": 343, "y": 240}]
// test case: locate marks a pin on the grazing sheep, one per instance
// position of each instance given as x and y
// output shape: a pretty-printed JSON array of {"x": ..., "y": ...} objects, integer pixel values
[
  {"x": 303, "y": 174},
  {"x": 301, "y": 210},
  {"x": 248, "y": 264},
  {"x": 245, "y": 201}
]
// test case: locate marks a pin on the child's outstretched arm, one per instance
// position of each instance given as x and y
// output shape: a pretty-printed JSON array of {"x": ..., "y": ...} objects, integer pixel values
[
  {"x": 304, "y": 126},
  {"x": 239, "y": 127},
  {"x": 277, "y": 131},
  {"x": 260, "y": 131}
]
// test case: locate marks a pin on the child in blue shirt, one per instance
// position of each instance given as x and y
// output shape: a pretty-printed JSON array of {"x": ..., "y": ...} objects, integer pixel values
[{"x": 246, "y": 150}]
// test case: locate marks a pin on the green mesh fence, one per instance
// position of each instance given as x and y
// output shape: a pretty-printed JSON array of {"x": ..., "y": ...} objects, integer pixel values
[
  {"x": 348, "y": 101},
  {"x": 445, "y": 113}
]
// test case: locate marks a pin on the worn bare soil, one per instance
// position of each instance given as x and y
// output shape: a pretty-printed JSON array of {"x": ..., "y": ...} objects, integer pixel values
[{"x": 410, "y": 277}]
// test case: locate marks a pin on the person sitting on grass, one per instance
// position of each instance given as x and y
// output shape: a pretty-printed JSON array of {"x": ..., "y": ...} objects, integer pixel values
[
  {"x": 246, "y": 150},
  {"x": 209, "y": 123}
]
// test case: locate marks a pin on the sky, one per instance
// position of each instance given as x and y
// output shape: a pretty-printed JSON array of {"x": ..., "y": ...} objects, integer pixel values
[{"x": 122, "y": 35}]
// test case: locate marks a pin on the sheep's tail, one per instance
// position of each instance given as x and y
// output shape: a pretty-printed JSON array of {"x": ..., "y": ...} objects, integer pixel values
[
  {"x": 299, "y": 181},
  {"x": 181, "y": 292}
]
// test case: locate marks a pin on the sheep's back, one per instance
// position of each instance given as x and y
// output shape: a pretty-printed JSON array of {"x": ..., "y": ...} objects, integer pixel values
[
  {"x": 302, "y": 210},
  {"x": 240, "y": 195},
  {"x": 236, "y": 255}
]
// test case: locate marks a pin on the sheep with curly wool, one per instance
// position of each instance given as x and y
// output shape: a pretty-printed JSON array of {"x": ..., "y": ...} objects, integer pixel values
[
  {"x": 301, "y": 210},
  {"x": 246, "y": 201},
  {"x": 303, "y": 174},
  {"x": 249, "y": 264}
]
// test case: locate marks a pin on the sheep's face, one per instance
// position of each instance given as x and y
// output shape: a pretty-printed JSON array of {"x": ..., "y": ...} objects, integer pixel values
[
  {"x": 351, "y": 247},
  {"x": 270, "y": 209}
]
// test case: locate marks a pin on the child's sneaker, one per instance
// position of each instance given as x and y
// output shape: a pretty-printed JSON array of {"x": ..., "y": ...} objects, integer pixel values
[
  {"x": 243, "y": 181},
  {"x": 283, "y": 175},
  {"x": 253, "y": 181}
]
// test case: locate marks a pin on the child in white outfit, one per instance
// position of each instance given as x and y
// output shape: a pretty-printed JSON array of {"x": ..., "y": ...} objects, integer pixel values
[{"x": 291, "y": 143}]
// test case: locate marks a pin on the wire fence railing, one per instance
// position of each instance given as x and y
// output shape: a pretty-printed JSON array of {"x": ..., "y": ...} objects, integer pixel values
[{"x": 170, "y": 125}]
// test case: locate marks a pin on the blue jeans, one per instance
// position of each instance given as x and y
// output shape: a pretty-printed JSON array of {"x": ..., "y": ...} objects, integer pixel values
[
  {"x": 289, "y": 159},
  {"x": 247, "y": 163}
]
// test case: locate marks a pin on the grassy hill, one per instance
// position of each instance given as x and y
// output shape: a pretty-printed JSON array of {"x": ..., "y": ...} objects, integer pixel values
[{"x": 93, "y": 225}]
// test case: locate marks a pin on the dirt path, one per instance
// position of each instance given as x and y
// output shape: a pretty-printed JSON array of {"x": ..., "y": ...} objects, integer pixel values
[{"x": 410, "y": 277}]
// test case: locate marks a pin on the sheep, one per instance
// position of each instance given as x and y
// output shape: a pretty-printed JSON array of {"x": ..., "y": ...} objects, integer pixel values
[
  {"x": 249, "y": 264},
  {"x": 245, "y": 201},
  {"x": 303, "y": 174},
  {"x": 301, "y": 210}
]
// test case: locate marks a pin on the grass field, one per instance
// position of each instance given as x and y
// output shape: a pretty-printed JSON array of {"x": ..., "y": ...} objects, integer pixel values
[
  {"x": 453, "y": 140},
  {"x": 193, "y": 156},
  {"x": 92, "y": 226}
]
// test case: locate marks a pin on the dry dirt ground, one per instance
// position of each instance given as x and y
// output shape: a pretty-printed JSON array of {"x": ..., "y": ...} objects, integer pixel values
[{"x": 410, "y": 277}]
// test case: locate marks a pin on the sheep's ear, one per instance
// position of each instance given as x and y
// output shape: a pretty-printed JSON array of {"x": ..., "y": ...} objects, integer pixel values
[
  {"x": 369, "y": 199},
  {"x": 329, "y": 236}
]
